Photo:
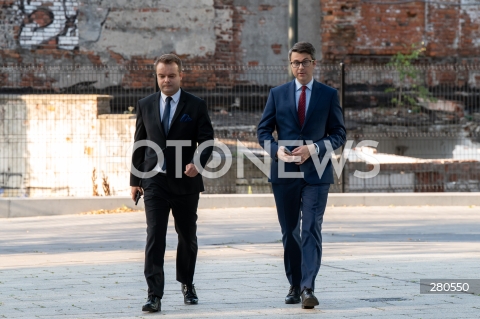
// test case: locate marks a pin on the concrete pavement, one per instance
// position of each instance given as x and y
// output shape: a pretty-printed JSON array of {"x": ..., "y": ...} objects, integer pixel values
[
  {"x": 91, "y": 266},
  {"x": 29, "y": 207}
]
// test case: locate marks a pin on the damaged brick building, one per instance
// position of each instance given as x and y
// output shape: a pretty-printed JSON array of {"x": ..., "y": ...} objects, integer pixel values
[
  {"x": 239, "y": 32},
  {"x": 106, "y": 48}
]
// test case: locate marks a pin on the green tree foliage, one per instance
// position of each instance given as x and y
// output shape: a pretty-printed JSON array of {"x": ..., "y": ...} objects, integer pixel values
[{"x": 409, "y": 78}]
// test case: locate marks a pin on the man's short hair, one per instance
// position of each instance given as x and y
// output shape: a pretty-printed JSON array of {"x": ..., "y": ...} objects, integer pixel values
[
  {"x": 168, "y": 59},
  {"x": 302, "y": 47}
]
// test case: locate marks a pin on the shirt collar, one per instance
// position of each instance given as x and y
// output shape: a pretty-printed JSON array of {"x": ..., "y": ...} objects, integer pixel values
[
  {"x": 175, "y": 97},
  {"x": 298, "y": 85}
]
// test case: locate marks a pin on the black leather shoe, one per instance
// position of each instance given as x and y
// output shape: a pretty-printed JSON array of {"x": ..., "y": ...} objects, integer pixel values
[
  {"x": 153, "y": 304},
  {"x": 189, "y": 294},
  {"x": 308, "y": 299},
  {"x": 293, "y": 295}
]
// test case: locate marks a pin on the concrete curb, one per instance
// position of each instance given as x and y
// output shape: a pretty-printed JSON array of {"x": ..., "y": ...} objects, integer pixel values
[{"x": 28, "y": 207}]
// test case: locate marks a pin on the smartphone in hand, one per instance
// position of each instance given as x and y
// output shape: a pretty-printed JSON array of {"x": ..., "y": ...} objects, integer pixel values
[
  {"x": 137, "y": 197},
  {"x": 287, "y": 151}
]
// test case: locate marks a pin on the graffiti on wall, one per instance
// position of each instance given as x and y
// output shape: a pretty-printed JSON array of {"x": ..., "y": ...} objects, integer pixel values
[{"x": 48, "y": 22}]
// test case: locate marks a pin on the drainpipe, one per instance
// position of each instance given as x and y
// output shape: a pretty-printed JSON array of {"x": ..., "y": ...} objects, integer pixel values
[{"x": 292, "y": 29}]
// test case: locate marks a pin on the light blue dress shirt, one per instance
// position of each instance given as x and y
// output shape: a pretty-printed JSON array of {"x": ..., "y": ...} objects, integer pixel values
[{"x": 308, "y": 93}]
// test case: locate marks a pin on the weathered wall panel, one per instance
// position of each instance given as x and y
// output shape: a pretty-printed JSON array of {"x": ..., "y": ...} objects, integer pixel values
[
  {"x": 229, "y": 31},
  {"x": 50, "y": 143},
  {"x": 355, "y": 30}
]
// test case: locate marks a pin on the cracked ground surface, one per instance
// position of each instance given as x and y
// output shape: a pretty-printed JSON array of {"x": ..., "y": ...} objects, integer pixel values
[{"x": 91, "y": 266}]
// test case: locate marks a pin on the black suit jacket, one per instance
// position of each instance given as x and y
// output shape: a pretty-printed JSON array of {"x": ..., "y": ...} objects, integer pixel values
[{"x": 190, "y": 122}]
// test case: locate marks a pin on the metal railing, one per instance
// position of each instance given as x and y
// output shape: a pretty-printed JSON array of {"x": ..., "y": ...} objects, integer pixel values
[{"x": 65, "y": 131}]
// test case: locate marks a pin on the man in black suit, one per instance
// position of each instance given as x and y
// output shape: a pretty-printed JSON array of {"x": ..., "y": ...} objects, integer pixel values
[{"x": 173, "y": 121}]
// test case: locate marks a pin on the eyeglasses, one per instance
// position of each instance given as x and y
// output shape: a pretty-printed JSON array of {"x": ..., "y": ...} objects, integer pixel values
[{"x": 305, "y": 63}]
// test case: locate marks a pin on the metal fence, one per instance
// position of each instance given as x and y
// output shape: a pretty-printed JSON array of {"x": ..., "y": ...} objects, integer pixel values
[{"x": 66, "y": 131}]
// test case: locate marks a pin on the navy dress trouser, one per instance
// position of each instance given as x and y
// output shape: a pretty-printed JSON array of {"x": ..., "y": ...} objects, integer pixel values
[{"x": 302, "y": 241}]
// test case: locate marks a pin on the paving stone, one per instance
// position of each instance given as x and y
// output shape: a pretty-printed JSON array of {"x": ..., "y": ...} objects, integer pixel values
[{"x": 91, "y": 266}]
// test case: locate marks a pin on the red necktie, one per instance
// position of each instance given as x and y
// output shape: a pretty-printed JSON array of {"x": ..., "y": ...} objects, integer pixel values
[{"x": 301, "y": 105}]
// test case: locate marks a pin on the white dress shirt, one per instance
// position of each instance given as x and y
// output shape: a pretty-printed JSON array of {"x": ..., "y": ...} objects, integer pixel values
[{"x": 173, "y": 108}]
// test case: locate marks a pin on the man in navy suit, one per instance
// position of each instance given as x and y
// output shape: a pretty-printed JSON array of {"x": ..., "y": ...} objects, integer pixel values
[
  {"x": 165, "y": 119},
  {"x": 306, "y": 115}
]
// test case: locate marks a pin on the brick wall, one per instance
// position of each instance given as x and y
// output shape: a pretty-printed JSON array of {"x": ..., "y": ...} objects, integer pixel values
[
  {"x": 230, "y": 32},
  {"x": 350, "y": 30},
  {"x": 355, "y": 30}
]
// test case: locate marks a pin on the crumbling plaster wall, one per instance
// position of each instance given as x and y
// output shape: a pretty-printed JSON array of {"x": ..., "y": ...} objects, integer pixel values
[
  {"x": 109, "y": 31},
  {"x": 93, "y": 32},
  {"x": 264, "y": 37},
  {"x": 146, "y": 28}
]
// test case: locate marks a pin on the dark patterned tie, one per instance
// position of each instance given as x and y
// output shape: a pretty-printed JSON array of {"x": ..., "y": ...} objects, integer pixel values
[
  {"x": 165, "y": 120},
  {"x": 166, "y": 115},
  {"x": 301, "y": 105}
]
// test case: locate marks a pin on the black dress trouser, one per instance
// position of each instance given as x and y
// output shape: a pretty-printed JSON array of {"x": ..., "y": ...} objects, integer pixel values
[{"x": 158, "y": 202}]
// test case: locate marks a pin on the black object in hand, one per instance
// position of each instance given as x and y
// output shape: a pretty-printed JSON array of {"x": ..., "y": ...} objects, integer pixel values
[
  {"x": 287, "y": 151},
  {"x": 137, "y": 197}
]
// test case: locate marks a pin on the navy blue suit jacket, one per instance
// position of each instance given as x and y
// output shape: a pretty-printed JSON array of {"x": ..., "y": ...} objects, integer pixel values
[{"x": 323, "y": 121}]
